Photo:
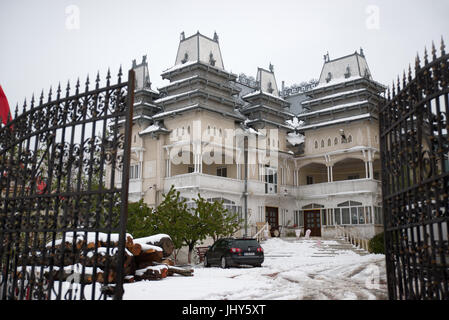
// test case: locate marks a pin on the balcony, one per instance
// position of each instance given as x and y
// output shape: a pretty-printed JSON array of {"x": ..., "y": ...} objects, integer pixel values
[
  {"x": 348, "y": 187},
  {"x": 204, "y": 181}
]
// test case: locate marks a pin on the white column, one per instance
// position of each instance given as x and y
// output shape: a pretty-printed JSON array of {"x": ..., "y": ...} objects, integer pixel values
[
  {"x": 371, "y": 170},
  {"x": 332, "y": 173},
  {"x": 366, "y": 170}
]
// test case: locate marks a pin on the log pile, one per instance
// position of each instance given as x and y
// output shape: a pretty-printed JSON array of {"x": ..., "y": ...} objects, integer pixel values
[{"x": 89, "y": 258}]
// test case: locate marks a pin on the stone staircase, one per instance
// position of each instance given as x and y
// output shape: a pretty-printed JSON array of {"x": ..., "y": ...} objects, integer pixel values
[
  {"x": 324, "y": 249},
  {"x": 331, "y": 250}
]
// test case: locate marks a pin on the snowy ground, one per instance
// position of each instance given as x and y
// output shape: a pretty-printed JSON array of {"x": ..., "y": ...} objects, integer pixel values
[{"x": 293, "y": 270}]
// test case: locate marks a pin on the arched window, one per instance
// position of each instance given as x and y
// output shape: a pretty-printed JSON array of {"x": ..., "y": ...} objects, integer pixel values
[
  {"x": 335, "y": 141},
  {"x": 322, "y": 143},
  {"x": 208, "y": 130},
  {"x": 188, "y": 129},
  {"x": 329, "y": 142},
  {"x": 350, "y": 139},
  {"x": 316, "y": 144}
]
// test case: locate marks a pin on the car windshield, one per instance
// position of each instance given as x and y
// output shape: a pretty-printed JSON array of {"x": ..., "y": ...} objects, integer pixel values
[{"x": 245, "y": 243}]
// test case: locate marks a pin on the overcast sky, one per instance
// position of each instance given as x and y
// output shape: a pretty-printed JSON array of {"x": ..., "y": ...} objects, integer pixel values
[{"x": 46, "y": 41}]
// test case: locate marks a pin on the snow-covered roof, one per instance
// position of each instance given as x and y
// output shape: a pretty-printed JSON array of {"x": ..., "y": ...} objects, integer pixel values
[
  {"x": 353, "y": 65},
  {"x": 334, "y": 96},
  {"x": 259, "y": 92},
  {"x": 153, "y": 129},
  {"x": 179, "y": 66},
  {"x": 334, "y": 108},
  {"x": 195, "y": 106},
  {"x": 173, "y": 83},
  {"x": 172, "y": 97},
  {"x": 337, "y": 121}
]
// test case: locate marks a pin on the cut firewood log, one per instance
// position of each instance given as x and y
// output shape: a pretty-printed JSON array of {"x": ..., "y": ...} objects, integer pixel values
[
  {"x": 188, "y": 272},
  {"x": 146, "y": 259},
  {"x": 168, "y": 262},
  {"x": 135, "y": 249},
  {"x": 160, "y": 240},
  {"x": 151, "y": 273}
]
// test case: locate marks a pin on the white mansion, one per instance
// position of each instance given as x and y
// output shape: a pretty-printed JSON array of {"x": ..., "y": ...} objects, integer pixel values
[{"x": 312, "y": 157}]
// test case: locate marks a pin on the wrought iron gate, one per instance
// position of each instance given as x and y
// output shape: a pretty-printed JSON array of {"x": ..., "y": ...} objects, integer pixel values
[
  {"x": 415, "y": 180},
  {"x": 64, "y": 166}
]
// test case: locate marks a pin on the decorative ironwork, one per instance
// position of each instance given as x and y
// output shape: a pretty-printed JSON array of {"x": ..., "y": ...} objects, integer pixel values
[
  {"x": 415, "y": 180},
  {"x": 303, "y": 87},
  {"x": 62, "y": 216}
]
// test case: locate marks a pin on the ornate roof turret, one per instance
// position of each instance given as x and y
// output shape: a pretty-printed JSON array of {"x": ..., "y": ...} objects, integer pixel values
[
  {"x": 199, "y": 48},
  {"x": 144, "y": 97},
  {"x": 265, "y": 105}
]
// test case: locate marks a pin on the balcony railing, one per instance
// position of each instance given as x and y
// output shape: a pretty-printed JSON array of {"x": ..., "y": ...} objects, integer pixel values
[
  {"x": 322, "y": 190},
  {"x": 195, "y": 180}
]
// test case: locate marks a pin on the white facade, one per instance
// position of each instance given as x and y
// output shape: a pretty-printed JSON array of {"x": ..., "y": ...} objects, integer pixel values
[{"x": 191, "y": 137}]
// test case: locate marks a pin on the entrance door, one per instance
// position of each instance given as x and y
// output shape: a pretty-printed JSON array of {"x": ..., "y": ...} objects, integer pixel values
[
  {"x": 312, "y": 221},
  {"x": 272, "y": 217}
]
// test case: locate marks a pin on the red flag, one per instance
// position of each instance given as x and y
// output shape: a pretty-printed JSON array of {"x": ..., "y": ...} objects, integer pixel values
[{"x": 5, "y": 113}]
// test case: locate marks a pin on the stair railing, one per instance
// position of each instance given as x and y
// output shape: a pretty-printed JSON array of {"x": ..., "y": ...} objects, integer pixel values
[
  {"x": 352, "y": 238},
  {"x": 259, "y": 234}
]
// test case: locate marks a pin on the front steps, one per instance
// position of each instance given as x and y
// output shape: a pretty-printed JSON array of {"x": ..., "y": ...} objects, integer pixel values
[{"x": 325, "y": 249}]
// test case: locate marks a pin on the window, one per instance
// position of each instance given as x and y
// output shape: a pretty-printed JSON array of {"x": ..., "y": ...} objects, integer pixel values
[
  {"x": 351, "y": 213},
  {"x": 134, "y": 171},
  {"x": 329, "y": 142},
  {"x": 260, "y": 214},
  {"x": 335, "y": 141},
  {"x": 329, "y": 77},
  {"x": 298, "y": 217},
  {"x": 350, "y": 139},
  {"x": 211, "y": 59},
  {"x": 316, "y": 144},
  {"x": 186, "y": 58},
  {"x": 322, "y": 143},
  {"x": 345, "y": 216},
  {"x": 222, "y": 172},
  {"x": 271, "y": 180},
  {"x": 348, "y": 72},
  {"x": 309, "y": 180},
  {"x": 378, "y": 218},
  {"x": 230, "y": 205},
  {"x": 337, "y": 216},
  {"x": 191, "y": 169},
  {"x": 376, "y": 175}
]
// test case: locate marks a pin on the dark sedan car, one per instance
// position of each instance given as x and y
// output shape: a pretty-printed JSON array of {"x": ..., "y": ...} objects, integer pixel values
[{"x": 234, "y": 252}]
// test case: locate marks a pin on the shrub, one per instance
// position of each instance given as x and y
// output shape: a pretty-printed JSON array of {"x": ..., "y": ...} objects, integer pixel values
[{"x": 376, "y": 244}]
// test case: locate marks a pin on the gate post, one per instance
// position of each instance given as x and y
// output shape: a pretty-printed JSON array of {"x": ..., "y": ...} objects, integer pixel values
[{"x": 118, "y": 294}]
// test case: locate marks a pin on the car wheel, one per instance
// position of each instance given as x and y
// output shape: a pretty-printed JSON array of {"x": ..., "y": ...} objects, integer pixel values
[
  {"x": 223, "y": 263},
  {"x": 206, "y": 263}
]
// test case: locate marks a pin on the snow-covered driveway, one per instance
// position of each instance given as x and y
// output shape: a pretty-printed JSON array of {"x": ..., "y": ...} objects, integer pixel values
[{"x": 304, "y": 269}]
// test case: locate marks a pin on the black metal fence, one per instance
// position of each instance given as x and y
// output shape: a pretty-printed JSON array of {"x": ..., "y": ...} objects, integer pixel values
[
  {"x": 64, "y": 166},
  {"x": 415, "y": 180}
]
